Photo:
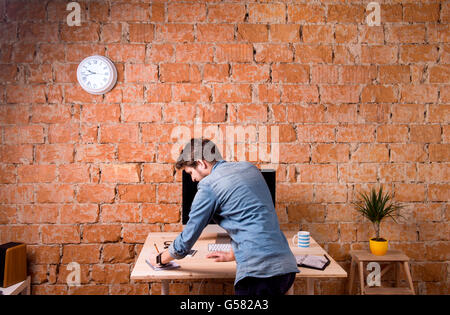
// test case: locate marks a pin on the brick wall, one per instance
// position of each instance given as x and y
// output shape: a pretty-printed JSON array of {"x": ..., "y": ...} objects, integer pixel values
[{"x": 85, "y": 178}]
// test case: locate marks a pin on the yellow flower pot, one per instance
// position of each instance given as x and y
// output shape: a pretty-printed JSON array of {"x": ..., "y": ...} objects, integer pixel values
[{"x": 378, "y": 248}]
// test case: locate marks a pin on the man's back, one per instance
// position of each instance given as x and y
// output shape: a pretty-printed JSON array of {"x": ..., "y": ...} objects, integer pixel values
[{"x": 244, "y": 208}]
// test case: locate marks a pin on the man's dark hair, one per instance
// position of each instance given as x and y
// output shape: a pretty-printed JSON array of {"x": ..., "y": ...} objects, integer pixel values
[{"x": 198, "y": 149}]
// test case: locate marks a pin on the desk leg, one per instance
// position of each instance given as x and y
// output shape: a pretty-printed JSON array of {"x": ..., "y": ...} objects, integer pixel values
[
  {"x": 165, "y": 287},
  {"x": 310, "y": 286}
]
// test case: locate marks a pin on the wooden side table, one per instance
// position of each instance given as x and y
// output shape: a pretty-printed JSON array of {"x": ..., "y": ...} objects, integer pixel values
[{"x": 394, "y": 257}]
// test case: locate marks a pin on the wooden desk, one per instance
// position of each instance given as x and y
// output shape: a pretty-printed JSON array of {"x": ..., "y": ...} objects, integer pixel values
[{"x": 199, "y": 267}]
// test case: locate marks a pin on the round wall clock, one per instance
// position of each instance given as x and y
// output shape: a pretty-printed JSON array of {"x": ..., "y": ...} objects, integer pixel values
[{"x": 96, "y": 74}]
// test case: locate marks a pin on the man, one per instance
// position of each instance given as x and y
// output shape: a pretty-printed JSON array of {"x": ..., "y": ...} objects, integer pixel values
[{"x": 236, "y": 196}]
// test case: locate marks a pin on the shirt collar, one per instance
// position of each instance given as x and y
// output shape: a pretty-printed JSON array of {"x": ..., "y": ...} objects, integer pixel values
[{"x": 217, "y": 163}]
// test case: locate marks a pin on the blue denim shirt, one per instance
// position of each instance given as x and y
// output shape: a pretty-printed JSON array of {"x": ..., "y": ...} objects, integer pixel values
[{"x": 235, "y": 194}]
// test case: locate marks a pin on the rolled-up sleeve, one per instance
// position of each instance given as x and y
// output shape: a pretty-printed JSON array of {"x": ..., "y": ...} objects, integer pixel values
[{"x": 204, "y": 205}]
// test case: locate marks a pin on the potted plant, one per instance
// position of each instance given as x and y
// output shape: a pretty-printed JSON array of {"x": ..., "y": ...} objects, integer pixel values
[{"x": 375, "y": 206}]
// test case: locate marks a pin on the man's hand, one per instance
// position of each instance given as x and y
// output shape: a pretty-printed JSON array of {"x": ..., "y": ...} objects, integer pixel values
[{"x": 221, "y": 256}]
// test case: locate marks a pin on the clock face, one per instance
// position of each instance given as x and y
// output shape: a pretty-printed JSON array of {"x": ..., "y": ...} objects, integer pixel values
[{"x": 96, "y": 74}]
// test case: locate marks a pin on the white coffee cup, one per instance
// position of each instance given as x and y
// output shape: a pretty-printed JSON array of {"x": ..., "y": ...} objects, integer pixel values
[{"x": 303, "y": 238}]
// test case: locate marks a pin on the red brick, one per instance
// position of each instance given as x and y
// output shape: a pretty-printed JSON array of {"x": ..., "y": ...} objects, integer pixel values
[
  {"x": 438, "y": 192},
  {"x": 137, "y": 193},
  {"x": 141, "y": 73},
  {"x": 319, "y": 34},
  {"x": 160, "y": 213},
  {"x": 397, "y": 172},
  {"x": 418, "y": 53},
  {"x": 379, "y": 94},
  {"x": 330, "y": 153},
  {"x": 36, "y": 173},
  {"x": 54, "y": 153},
  {"x": 136, "y": 152},
  {"x": 81, "y": 253},
  {"x": 317, "y": 173},
  {"x": 126, "y": 52},
  {"x": 325, "y": 74},
  {"x": 120, "y": 173},
  {"x": 341, "y": 113},
  {"x": 234, "y": 53},
  {"x": 119, "y": 133},
  {"x": 358, "y": 74},
  {"x": 96, "y": 113},
  {"x": 440, "y": 74},
  {"x": 346, "y": 34},
  {"x": 425, "y": 133},
  {"x": 386, "y": 54},
  {"x": 309, "y": 13},
  {"x": 409, "y": 192},
  {"x": 8, "y": 173},
  {"x": 355, "y": 133},
  {"x": 269, "y": 93},
  {"x": 371, "y": 34},
  {"x": 110, "y": 274},
  {"x": 55, "y": 193},
  {"x": 234, "y": 93},
  {"x": 186, "y": 12},
  {"x": 287, "y": 33},
  {"x": 120, "y": 213},
  {"x": 371, "y": 153},
  {"x": 306, "y": 213},
  {"x": 96, "y": 193},
  {"x": 101, "y": 233},
  {"x": 60, "y": 234},
  {"x": 175, "y": 32},
  {"x": 79, "y": 213},
  {"x": 414, "y": 33},
  {"x": 252, "y": 112},
  {"x": 45, "y": 213},
  {"x": 189, "y": 52},
  {"x": 226, "y": 12},
  {"x": 408, "y": 153},
  {"x": 273, "y": 53},
  {"x": 159, "y": 93},
  {"x": 141, "y": 33},
  {"x": 406, "y": 113},
  {"x": 16, "y": 153},
  {"x": 439, "y": 152},
  {"x": 266, "y": 13},
  {"x": 294, "y": 153},
  {"x": 313, "y": 53},
  {"x": 419, "y": 93},
  {"x": 345, "y": 13},
  {"x": 295, "y": 192},
  {"x": 306, "y": 113},
  {"x": 130, "y": 12},
  {"x": 395, "y": 74},
  {"x": 339, "y": 93},
  {"x": 421, "y": 12},
  {"x": 439, "y": 113},
  {"x": 290, "y": 73},
  {"x": 188, "y": 92},
  {"x": 86, "y": 32},
  {"x": 250, "y": 73},
  {"x": 64, "y": 133},
  {"x": 300, "y": 93},
  {"x": 253, "y": 32},
  {"x": 316, "y": 133},
  {"x": 178, "y": 72},
  {"x": 357, "y": 173},
  {"x": 392, "y": 133},
  {"x": 23, "y": 134}
]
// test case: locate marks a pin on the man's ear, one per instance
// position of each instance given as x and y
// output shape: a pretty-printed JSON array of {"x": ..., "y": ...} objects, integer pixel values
[{"x": 202, "y": 164}]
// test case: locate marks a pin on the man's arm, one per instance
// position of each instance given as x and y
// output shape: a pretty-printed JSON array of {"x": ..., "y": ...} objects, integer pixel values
[
  {"x": 222, "y": 256},
  {"x": 203, "y": 207}
]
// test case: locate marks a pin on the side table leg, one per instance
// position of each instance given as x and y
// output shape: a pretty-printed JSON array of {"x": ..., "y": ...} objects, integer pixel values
[
  {"x": 361, "y": 277},
  {"x": 309, "y": 286},
  {"x": 408, "y": 276},
  {"x": 352, "y": 276},
  {"x": 165, "y": 287}
]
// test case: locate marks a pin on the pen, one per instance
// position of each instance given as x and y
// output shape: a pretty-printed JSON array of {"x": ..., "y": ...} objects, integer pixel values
[{"x": 156, "y": 248}]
